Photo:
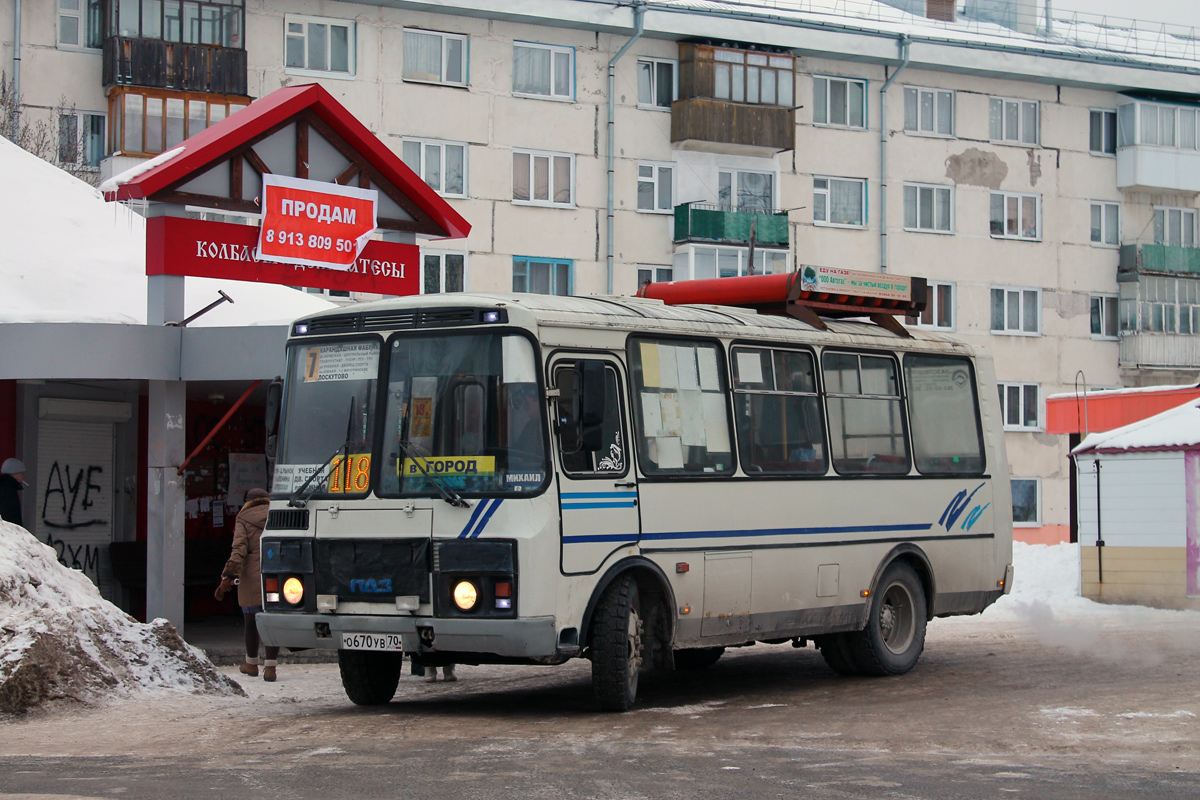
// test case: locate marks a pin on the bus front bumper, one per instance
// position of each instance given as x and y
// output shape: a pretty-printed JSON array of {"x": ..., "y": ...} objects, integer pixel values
[{"x": 509, "y": 638}]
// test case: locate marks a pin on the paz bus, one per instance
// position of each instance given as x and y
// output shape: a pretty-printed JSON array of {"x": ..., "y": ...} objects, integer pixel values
[{"x": 638, "y": 481}]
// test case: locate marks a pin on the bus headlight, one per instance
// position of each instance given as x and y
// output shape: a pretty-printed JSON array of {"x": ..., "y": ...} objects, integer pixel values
[
  {"x": 293, "y": 590},
  {"x": 466, "y": 595}
]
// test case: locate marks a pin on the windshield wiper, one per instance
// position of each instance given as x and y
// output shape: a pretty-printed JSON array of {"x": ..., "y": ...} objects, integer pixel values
[
  {"x": 296, "y": 500},
  {"x": 449, "y": 495}
]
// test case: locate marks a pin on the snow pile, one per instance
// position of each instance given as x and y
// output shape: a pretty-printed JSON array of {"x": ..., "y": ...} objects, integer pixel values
[{"x": 60, "y": 640}]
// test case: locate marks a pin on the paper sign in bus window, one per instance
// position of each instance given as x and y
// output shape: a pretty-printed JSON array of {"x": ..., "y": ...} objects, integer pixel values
[
  {"x": 691, "y": 414},
  {"x": 716, "y": 424},
  {"x": 670, "y": 452},
  {"x": 355, "y": 361},
  {"x": 650, "y": 369},
  {"x": 651, "y": 414},
  {"x": 689, "y": 376},
  {"x": 710, "y": 380},
  {"x": 668, "y": 369},
  {"x": 668, "y": 403},
  {"x": 749, "y": 367},
  {"x": 453, "y": 466}
]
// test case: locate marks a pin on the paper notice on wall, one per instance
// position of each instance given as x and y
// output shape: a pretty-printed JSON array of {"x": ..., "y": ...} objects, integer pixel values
[
  {"x": 749, "y": 367},
  {"x": 716, "y": 424},
  {"x": 668, "y": 369},
  {"x": 651, "y": 414},
  {"x": 246, "y": 471},
  {"x": 670, "y": 452},
  {"x": 205, "y": 505},
  {"x": 668, "y": 404},
  {"x": 691, "y": 414},
  {"x": 218, "y": 514},
  {"x": 192, "y": 509},
  {"x": 689, "y": 376},
  {"x": 710, "y": 378},
  {"x": 650, "y": 368}
]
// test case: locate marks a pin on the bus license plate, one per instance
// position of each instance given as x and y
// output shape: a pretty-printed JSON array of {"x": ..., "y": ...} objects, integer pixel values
[{"x": 371, "y": 641}]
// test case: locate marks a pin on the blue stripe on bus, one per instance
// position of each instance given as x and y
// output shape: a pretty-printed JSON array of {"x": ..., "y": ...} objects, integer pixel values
[
  {"x": 471, "y": 522},
  {"x": 593, "y": 495},
  {"x": 626, "y": 504},
  {"x": 486, "y": 516},
  {"x": 622, "y": 537}
]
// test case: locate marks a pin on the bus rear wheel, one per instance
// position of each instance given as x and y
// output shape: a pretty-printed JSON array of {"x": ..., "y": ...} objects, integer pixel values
[
  {"x": 697, "y": 657},
  {"x": 370, "y": 679},
  {"x": 895, "y": 634},
  {"x": 616, "y": 648}
]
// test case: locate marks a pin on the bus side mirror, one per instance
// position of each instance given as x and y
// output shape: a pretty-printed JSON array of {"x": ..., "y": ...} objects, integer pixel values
[
  {"x": 581, "y": 407},
  {"x": 271, "y": 418}
]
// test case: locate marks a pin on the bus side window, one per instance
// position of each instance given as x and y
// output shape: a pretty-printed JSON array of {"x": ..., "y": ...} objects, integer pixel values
[
  {"x": 944, "y": 413},
  {"x": 866, "y": 423},
  {"x": 780, "y": 429},
  {"x": 611, "y": 458}
]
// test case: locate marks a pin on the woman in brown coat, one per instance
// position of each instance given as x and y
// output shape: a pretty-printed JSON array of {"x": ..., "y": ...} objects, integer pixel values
[{"x": 244, "y": 569}]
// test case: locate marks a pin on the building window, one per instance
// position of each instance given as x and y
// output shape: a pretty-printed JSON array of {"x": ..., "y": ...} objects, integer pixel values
[
  {"x": 317, "y": 44},
  {"x": 542, "y": 275},
  {"x": 443, "y": 272},
  {"x": 939, "y": 307},
  {"x": 742, "y": 190},
  {"x": 1106, "y": 223},
  {"x": 1104, "y": 316},
  {"x": 80, "y": 23},
  {"x": 146, "y": 122},
  {"x": 1016, "y": 216},
  {"x": 1014, "y": 121},
  {"x": 334, "y": 294},
  {"x": 1175, "y": 227},
  {"x": 928, "y": 111},
  {"x": 1019, "y": 406},
  {"x": 442, "y": 165},
  {"x": 654, "y": 188},
  {"x": 701, "y": 262},
  {"x": 743, "y": 77},
  {"x": 1026, "y": 501},
  {"x": 1102, "y": 137},
  {"x": 544, "y": 179},
  {"x": 928, "y": 209},
  {"x": 840, "y": 201},
  {"x": 543, "y": 70},
  {"x": 1016, "y": 311},
  {"x": 80, "y": 139},
  {"x": 432, "y": 57},
  {"x": 657, "y": 82},
  {"x": 1162, "y": 126},
  {"x": 654, "y": 275},
  {"x": 839, "y": 101},
  {"x": 212, "y": 22}
]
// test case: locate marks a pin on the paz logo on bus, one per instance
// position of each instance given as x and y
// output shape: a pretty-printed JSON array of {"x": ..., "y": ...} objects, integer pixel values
[{"x": 370, "y": 586}]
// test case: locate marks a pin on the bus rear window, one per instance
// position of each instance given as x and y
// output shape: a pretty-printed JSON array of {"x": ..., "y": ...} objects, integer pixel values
[
  {"x": 681, "y": 408},
  {"x": 944, "y": 414}
]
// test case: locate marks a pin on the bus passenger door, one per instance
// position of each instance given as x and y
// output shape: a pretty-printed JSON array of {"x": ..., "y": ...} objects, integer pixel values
[{"x": 597, "y": 489}]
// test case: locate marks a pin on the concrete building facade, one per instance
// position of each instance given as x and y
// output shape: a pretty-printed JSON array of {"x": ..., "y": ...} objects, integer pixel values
[{"x": 1042, "y": 177}]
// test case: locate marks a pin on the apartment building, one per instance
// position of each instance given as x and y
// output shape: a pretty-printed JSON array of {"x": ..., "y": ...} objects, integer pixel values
[{"x": 1042, "y": 174}]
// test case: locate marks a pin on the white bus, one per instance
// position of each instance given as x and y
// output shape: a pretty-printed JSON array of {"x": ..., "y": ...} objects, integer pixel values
[{"x": 526, "y": 479}]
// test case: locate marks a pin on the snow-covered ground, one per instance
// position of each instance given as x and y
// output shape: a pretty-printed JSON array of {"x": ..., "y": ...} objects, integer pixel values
[{"x": 60, "y": 640}]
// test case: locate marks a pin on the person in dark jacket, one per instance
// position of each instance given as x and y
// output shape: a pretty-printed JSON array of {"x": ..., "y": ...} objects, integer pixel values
[
  {"x": 12, "y": 480},
  {"x": 244, "y": 569}
]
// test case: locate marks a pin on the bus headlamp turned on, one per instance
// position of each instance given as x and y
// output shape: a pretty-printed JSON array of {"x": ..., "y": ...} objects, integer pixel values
[{"x": 641, "y": 482}]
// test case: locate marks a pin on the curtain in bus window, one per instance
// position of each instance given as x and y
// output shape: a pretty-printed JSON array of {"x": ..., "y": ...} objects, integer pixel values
[
  {"x": 946, "y": 433},
  {"x": 866, "y": 429},
  {"x": 680, "y": 407},
  {"x": 779, "y": 423}
]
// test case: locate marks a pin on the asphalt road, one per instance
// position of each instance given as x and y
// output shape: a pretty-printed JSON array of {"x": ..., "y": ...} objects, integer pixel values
[{"x": 1041, "y": 708}]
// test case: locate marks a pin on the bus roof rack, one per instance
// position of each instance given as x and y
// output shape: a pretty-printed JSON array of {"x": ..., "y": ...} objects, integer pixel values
[{"x": 829, "y": 291}]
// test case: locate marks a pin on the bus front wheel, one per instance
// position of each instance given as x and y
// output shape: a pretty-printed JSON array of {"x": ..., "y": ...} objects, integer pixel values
[
  {"x": 895, "y": 633},
  {"x": 370, "y": 679},
  {"x": 616, "y": 648}
]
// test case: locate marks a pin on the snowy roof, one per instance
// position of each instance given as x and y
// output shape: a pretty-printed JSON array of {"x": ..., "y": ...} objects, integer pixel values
[
  {"x": 1175, "y": 429},
  {"x": 68, "y": 256},
  {"x": 1071, "y": 33}
]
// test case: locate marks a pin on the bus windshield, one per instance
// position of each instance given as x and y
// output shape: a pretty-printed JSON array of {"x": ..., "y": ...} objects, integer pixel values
[
  {"x": 328, "y": 419},
  {"x": 462, "y": 411}
]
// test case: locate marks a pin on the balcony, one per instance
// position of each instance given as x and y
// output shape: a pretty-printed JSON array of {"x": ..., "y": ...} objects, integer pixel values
[
  {"x": 695, "y": 222},
  {"x": 1159, "y": 258},
  {"x": 1157, "y": 147},
  {"x": 1159, "y": 351},
  {"x": 700, "y": 123},
  {"x": 183, "y": 67}
]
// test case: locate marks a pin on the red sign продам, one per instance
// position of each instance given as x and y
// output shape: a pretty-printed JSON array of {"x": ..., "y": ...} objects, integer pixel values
[
  {"x": 314, "y": 224},
  {"x": 180, "y": 246}
]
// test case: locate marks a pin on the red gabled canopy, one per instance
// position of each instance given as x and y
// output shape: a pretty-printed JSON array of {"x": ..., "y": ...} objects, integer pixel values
[{"x": 216, "y": 143}]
